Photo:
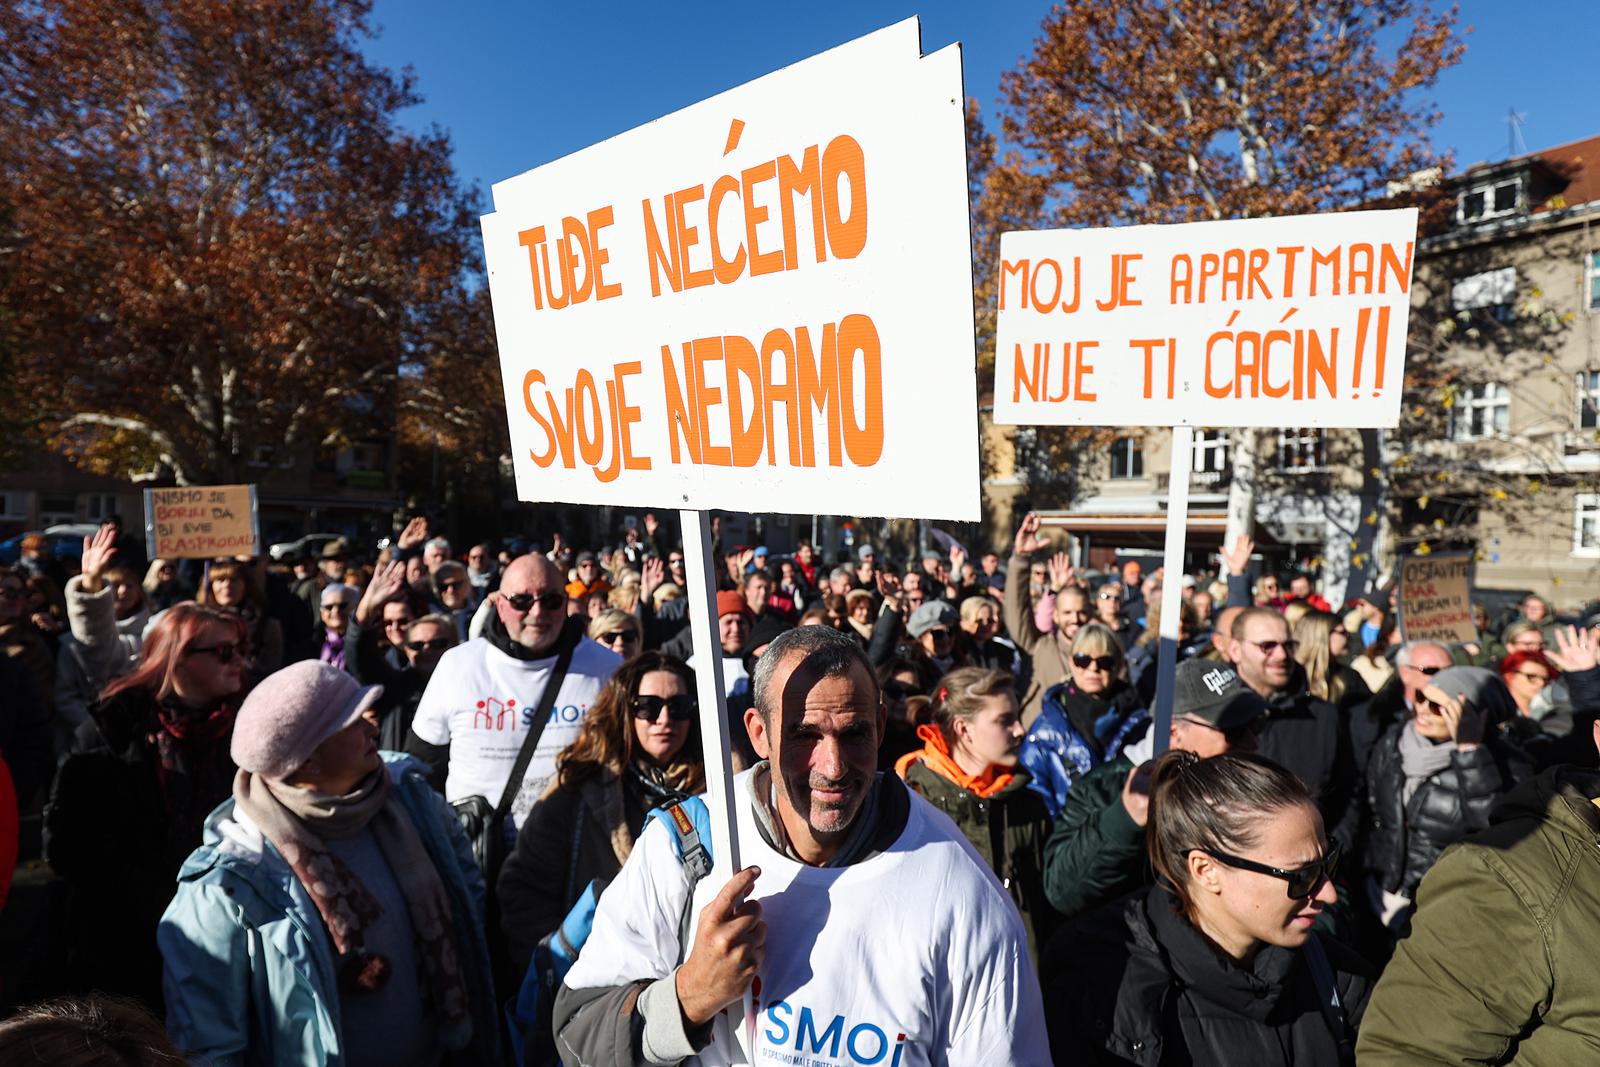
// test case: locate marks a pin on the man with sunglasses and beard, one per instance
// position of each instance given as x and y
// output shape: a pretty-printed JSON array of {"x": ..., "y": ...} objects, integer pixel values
[
  {"x": 480, "y": 703},
  {"x": 1416, "y": 664},
  {"x": 1096, "y": 853},
  {"x": 1300, "y": 732}
]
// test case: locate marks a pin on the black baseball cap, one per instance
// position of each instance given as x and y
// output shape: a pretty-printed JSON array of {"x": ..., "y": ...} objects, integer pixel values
[{"x": 1213, "y": 693}]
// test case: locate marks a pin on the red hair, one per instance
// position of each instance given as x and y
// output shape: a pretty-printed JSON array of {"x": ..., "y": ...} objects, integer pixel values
[
  {"x": 1513, "y": 664},
  {"x": 166, "y": 644}
]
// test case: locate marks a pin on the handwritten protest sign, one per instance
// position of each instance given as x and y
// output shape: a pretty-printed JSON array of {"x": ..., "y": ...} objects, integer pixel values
[
  {"x": 1288, "y": 321},
  {"x": 1435, "y": 598},
  {"x": 202, "y": 522},
  {"x": 761, "y": 302}
]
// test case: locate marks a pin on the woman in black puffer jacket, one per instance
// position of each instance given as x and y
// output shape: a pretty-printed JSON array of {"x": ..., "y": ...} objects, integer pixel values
[{"x": 1432, "y": 780}]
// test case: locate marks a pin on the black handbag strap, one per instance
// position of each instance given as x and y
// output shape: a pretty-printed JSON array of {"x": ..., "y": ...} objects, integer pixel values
[{"x": 547, "y": 700}]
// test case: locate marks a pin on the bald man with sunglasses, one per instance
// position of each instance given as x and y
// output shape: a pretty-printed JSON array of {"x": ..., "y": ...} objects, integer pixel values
[{"x": 481, "y": 703}]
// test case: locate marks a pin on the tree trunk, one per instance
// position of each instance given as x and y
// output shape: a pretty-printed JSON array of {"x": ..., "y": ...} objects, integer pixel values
[{"x": 1242, "y": 487}]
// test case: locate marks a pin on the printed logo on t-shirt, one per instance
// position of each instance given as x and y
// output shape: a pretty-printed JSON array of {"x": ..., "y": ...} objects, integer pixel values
[
  {"x": 496, "y": 714},
  {"x": 802, "y": 1038}
]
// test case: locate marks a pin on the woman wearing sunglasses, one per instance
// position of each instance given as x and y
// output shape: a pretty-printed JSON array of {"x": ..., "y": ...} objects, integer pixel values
[
  {"x": 1432, "y": 779},
  {"x": 639, "y": 749},
  {"x": 132, "y": 795},
  {"x": 1085, "y": 720},
  {"x": 1218, "y": 963},
  {"x": 617, "y": 630}
]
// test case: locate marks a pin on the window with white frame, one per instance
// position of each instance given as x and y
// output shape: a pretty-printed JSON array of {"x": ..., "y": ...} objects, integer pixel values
[
  {"x": 1489, "y": 200},
  {"x": 97, "y": 507},
  {"x": 1481, "y": 411},
  {"x": 1210, "y": 452},
  {"x": 1127, "y": 458},
  {"x": 1591, "y": 280},
  {"x": 1302, "y": 450},
  {"x": 1490, "y": 292},
  {"x": 1588, "y": 399},
  {"x": 1586, "y": 524}
]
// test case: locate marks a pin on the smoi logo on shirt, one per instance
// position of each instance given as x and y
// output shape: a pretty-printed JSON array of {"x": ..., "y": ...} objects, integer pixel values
[
  {"x": 495, "y": 714},
  {"x": 802, "y": 1038}
]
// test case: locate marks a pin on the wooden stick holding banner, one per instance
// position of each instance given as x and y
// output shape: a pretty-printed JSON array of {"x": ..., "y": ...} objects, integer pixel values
[{"x": 1171, "y": 581}]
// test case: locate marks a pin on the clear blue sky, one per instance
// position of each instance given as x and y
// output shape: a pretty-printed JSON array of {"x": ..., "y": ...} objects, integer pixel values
[{"x": 520, "y": 84}]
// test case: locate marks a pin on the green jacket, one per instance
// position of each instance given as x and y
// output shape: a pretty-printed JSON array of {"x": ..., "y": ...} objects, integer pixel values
[
  {"x": 1499, "y": 967},
  {"x": 1096, "y": 852},
  {"x": 1013, "y": 823}
]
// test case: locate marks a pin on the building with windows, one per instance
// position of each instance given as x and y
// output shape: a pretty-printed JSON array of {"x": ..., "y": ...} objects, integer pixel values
[{"x": 1505, "y": 423}]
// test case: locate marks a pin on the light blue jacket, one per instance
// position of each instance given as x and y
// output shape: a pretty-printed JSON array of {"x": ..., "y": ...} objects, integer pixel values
[{"x": 249, "y": 967}]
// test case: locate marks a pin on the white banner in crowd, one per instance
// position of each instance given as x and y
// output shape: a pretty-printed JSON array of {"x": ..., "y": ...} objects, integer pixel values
[
  {"x": 1287, "y": 321},
  {"x": 762, "y": 302}
]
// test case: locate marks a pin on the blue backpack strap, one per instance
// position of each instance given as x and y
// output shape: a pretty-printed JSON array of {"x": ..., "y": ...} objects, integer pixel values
[{"x": 689, "y": 821}]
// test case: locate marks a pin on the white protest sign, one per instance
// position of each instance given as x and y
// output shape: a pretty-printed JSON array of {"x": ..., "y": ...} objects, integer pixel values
[
  {"x": 761, "y": 302},
  {"x": 1286, "y": 321}
]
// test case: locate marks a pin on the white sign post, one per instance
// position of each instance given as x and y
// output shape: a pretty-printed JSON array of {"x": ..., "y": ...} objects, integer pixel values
[
  {"x": 1291, "y": 321},
  {"x": 740, "y": 306}
]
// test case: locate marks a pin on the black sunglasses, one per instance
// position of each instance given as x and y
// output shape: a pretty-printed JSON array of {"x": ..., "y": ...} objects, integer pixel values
[
  {"x": 624, "y": 636},
  {"x": 1105, "y": 663},
  {"x": 548, "y": 601},
  {"x": 224, "y": 652},
  {"x": 423, "y": 646},
  {"x": 680, "y": 708},
  {"x": 1429, "y": 671},
  {"x": 899, "y": 691},
  {"x": 1303, "y": 881}
]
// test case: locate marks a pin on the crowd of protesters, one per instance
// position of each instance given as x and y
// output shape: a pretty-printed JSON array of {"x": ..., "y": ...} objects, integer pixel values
[{"x": 340, "y": 810}]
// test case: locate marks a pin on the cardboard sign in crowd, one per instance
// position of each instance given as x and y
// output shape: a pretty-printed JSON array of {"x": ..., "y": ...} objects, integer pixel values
[
  {"x": 762, "y": 302},
  {"x": 1287, "y": 321},
  {"x": 1434, "y": 598},
  {"x": 202, "y": 522}
]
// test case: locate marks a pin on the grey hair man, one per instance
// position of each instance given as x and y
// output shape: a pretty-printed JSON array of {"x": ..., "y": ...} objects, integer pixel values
[{"x": 662, "y": 976}]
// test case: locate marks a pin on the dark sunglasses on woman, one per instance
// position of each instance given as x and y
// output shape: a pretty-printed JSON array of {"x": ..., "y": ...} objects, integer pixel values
[
  {"x": 440, "y": 643},
  {"x": 680, "y": 708},
  {"x": 224, "y": 652},
  {"x": 1105, "y": 663},
  {"x": 1303, "y": 881}
]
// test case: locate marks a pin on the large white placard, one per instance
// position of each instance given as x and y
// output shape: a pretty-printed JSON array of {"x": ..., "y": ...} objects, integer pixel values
[
  {"x": 1285, "y": 321},
  {"x": 762, "y": 302}
]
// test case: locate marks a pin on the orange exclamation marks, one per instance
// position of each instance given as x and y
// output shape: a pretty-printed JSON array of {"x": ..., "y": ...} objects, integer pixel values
[
  {"x": 1383, "y": 350},
  {"x": 1363, "y": 320},
  {"x": 735, "y": 131}
]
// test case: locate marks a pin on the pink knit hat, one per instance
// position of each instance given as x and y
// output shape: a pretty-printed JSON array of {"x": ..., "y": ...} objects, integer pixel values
[{"x": 291, "y": 712}]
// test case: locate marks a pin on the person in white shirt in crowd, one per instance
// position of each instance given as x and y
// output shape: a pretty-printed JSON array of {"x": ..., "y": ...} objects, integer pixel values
[
  {"x": 481, "y": 698},
  {"x": 865, "y": 927}
]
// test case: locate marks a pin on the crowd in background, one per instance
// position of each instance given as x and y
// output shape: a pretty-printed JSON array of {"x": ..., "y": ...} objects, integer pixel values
[{"x": 227, "y": 753}]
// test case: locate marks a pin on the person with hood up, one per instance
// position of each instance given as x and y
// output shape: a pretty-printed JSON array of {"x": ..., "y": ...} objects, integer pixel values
[
  {"x": 1499, "y": 967},
  {"x": 1087, "y": 719},
  {"x": 334, "y": 915},
  {"x": 1217, "y": 964},
  {"x": 967, "y": 768},
  {"x": 1433, "y": 779}
]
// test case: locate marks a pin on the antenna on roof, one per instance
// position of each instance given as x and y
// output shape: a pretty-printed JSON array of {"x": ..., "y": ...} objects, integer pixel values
[{"x": 1515, "y": 120}]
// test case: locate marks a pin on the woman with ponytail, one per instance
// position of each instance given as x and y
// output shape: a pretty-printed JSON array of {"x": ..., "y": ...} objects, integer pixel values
[
  {"x": 1218, "y": 963},
  {"x": 967, "y": 768}
]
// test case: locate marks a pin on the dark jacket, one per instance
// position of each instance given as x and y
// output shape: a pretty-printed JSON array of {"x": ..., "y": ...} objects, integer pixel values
[
  {"x": 118, "y": 834},
  {"x": 1305, "y": 735},
  {"x": 1500, "y": 964},
  {"x": 1405, "y": 838},
  {"x": 1096, "y": 853},
  {"x": 1008, "y": 829},
  {"x": 1373, "y": 718},
  {"x": 1075, "y": 733},
  {"x": 1139, "y": 985},
  {"x": 364, "y": 657}
]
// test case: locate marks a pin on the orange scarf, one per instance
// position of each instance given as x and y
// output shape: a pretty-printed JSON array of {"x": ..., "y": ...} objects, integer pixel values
[{"x": 936, "y": 754}]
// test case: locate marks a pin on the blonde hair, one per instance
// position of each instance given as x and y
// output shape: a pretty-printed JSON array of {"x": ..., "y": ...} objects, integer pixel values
[
  {"x": 609, "y": 620},
  {"x": 624, "y": 597},
  {"x": 1096, "y": 639},
  {"x": 1312, "y": 652}
]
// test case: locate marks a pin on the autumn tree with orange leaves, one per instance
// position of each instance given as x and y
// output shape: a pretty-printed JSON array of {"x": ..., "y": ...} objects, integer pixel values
[
  {"x": 1164, "y": 111},
  {"x": 224, "y": 245}
]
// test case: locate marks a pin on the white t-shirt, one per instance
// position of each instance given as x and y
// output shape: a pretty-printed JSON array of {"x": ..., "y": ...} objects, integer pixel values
[
  {"x": 913, "y": 958},
  {"x": 479, "y": 701}
]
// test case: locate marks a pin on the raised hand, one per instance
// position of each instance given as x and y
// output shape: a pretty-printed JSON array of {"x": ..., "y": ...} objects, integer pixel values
[
  {"x": 1062, "y": 571},
  {"x": 1576, "y": 650},
  {"x": 1237, "y": 558},
  {"x": 652, "y": 574},
  {"x": 651, "y": 523},
  {"x": 97, "y": 552},
  {"x": 414, "y": 534},
  {"x": 958, "y": 559},
  {"x": 1028, "y": 541},
  {"x": 388, "y": 583}
]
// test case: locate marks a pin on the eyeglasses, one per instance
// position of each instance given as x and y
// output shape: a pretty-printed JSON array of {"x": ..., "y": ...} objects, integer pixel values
[
  {"x": 619, "y": 637},
  {"x": 1269, "y": 647},
  {"x": 550, "y": 601},
  {"x": 224, "y": 652},
  {"x": 440, "y": 643},
  {"x": 899, "y": 691},
  {"x": 1083, "y": 662},
  {"x": 680, "y": 708},
  {"x": 1233, "y": 735},
  {"x": 938, "y": 633},
  {"x": 1542, "y": 679},
  {"x": 1303, "y": 881},
  {"x": 452, "y": 583},
  {"x": 340, "y": 606},
  {"x": 1429, "y": 671},
  {"x": 397, "y": 624},
  {"x": 674, "y": 561},
  {"x": 1111, "y": 596}
]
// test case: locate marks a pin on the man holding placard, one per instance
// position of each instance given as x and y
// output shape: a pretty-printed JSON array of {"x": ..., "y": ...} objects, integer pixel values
[{"x": 866, "y": 929}]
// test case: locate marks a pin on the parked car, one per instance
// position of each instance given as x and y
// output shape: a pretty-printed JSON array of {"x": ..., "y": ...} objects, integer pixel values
[
  {"x": 66, "y": 541},
  {"x": 309, "y": 545}
]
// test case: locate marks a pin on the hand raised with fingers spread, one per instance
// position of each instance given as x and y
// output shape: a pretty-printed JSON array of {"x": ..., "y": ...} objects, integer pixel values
[
  {"x": 1575, "y": 649},
  {"x": 651, "y": 523},
  {"x": 729, "y": 943},
  {"x": 1028, "y": 541},
  {"x": 388, "y": 583},
  {"x": 414, "y": 534},
  {"x": 1237, "y": 558},
  {"x": 652, "y": 573},
  {"x": 97, "y": 552},
  {"x": 1061, "y": 571}
]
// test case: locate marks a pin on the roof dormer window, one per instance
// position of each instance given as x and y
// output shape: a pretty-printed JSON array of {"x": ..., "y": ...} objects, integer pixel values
[{"x": 1489, "y": 200}]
